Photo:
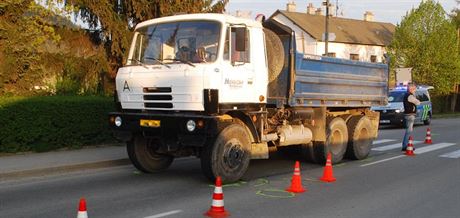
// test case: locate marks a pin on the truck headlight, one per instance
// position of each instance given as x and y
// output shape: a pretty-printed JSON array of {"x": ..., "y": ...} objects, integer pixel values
[
  {"x": 191, "y": 125},
  {"x": 118, "y": 121},
  {"x": 399, "y": 110}
]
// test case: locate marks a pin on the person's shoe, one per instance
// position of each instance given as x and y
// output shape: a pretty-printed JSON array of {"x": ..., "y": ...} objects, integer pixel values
[{"x": 403, "y": 149}]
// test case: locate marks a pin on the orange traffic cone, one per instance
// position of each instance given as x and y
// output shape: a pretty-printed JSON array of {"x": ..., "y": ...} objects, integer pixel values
[
  {"x": 410, "y": 147},
  {"x": 428, "y": 136},
  {"x": 217, "y": 207},
  {"x": 82, "y": 209},
  {"x": 327, "y": 174},
  {"x": 296, "y": 181}
]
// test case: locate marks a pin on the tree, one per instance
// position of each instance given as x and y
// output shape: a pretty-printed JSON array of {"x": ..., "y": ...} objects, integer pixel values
[
  {"x": 115, "y": 18},
  {"x": 456, "y": 19},
  {"x": 426, "y": 41},
  {"x": 23, "y": 29},
  {"x": 42, "y": 52}
]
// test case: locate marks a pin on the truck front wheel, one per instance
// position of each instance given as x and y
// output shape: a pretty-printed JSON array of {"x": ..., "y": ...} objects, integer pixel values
[
  {"x": 360, "y": 137},
  {"x": 228, "y": 156},
  {"x": 144, "y": 157}
]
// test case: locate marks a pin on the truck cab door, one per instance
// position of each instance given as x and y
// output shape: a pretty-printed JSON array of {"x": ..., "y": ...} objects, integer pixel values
[{"x": 237, "y": 85}]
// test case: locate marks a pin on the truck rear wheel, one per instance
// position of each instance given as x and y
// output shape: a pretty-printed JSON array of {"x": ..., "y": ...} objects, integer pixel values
[
  {"x": 144, "y": 157},
  {"x": 360, "y": 137},
  {"x": 228, "y": 156},
  {"x": 336, "y": 143}
]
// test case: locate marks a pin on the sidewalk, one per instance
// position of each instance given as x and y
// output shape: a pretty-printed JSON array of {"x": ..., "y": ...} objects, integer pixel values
[{"x": 40, "y": 164}]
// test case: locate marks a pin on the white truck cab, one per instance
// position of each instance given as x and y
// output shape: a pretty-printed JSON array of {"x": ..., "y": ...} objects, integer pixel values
[{"x": 173, "y": 59}]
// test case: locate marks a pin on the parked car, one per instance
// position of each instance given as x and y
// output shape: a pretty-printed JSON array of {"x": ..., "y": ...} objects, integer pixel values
[{"x": 393, "y": 113}]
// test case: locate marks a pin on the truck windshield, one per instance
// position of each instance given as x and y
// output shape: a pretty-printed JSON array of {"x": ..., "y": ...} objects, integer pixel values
[
  {"x": 176, "y": 42},
  {"x": 396, "y": 96}
]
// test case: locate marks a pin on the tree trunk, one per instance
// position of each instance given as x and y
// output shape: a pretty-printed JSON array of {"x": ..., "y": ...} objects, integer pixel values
[{"x": 454, "y": 98}]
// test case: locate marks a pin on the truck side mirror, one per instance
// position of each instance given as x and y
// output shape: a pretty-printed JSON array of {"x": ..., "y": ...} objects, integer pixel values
[{"x": 240, "y": 39}]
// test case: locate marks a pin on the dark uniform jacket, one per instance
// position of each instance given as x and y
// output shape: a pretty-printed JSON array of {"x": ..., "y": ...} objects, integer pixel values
[{"x": 409, "y": 107}]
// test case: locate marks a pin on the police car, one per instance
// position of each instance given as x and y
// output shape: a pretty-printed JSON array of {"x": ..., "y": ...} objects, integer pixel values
[{"x": 393, "y": 113}]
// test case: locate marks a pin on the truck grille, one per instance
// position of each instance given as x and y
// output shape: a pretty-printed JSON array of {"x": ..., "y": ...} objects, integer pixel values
[{"x": 161, "y": 94}]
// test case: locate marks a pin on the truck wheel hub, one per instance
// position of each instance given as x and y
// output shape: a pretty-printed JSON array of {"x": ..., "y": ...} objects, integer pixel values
[{"x": 233, "y": 155}]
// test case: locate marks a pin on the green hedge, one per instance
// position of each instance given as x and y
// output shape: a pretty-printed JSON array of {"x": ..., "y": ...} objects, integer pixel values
[{"x": 52, "y": 122}]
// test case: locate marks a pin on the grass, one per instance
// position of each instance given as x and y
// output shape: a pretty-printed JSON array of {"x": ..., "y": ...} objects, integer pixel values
[{"x": 447, "y": 115}]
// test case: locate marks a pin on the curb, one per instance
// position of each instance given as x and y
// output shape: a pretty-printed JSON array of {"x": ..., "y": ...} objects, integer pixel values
[{"x": 21, "y": 174}]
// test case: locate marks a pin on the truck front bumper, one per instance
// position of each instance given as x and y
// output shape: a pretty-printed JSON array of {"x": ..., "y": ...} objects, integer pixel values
[{"x": 171, "y": 129}]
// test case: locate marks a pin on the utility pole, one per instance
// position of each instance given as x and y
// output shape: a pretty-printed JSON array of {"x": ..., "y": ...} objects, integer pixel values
[
  {"x": 326, "y": 35},
  {"x": 336, "y": 8}
]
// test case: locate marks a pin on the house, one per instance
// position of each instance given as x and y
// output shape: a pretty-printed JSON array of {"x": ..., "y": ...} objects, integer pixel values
[{"x": 363, "y": 40}]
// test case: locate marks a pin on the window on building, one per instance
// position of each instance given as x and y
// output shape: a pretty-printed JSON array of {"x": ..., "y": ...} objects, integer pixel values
[
  {"x": 373, "y": 58},
  {"x": 330, "y": 54},
  {"x": 354, "y": 57}
]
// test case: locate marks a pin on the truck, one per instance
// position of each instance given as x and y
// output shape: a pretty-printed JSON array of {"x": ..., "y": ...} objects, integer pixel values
[{"x": 228, "y": 90}]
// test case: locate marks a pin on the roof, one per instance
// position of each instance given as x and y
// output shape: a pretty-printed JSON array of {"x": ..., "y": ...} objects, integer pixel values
[
  {"x": 223, "y": 18},
  {"x": 346, "y": 30}
]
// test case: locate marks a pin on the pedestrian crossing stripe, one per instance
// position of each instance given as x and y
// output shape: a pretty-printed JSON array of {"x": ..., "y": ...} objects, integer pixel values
[
  {"x": 382, "y": 141},
  {"x": 393, "y": 146},
  {"x": 420, "y": 150},
  {"x": 455, "y": 154},
  {"x": 433, "y": 147}
]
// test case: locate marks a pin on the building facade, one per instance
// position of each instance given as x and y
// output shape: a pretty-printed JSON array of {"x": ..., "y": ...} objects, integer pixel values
[{"x": 363, "y": 40}]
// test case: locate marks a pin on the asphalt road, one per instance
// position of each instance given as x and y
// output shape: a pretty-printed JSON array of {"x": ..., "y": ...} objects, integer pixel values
[{"x": 387, "y": 184}]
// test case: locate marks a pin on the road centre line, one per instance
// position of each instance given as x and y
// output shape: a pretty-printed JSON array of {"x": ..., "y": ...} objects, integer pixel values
[
  {"x": 455, "y": 154},
  {"x": 382, "y": 141},
  {"x": 393, "y": 146},
  {"x": 432, "y": 147},
  {"x": 165, "y": 214},
  {"x": 384, "y": 160}
]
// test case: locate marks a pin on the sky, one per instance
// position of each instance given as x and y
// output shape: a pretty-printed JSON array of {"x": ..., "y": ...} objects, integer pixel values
[{"x": 390, "y": 11}]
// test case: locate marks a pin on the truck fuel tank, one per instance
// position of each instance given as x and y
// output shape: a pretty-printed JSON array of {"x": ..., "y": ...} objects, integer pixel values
[{"x": 294, "y": 135}]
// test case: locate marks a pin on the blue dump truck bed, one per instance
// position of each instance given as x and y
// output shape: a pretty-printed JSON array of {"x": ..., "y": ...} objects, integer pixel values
[{"x": 323, "y": 81}]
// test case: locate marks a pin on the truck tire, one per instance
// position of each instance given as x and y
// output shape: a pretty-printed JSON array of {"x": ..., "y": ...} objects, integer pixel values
[
  {"x": 228, "y": 155},
  {"x": 336, "y": 143},
  {"x": 275, "y": 55},
  {"x": 307, "y": 152},
  {"x": 143, "y": 156},
  {"x": 360, "y": 137},
  {"x": 277, "y": 85}
]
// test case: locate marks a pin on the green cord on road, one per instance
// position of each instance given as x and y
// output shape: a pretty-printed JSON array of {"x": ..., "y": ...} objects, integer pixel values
[
  {"x": 261, "y": 182},
  {"x": 277, "y": 193}
]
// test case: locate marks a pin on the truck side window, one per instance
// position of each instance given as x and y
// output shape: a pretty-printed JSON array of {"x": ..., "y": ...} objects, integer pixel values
[
  {"x": 236, "y": 56},
  {"x": 226, "y": 46}
]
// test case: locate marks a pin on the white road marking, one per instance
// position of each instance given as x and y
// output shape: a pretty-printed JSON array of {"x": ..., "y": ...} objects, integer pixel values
[
  {"x": 393, "y": 146},
  {"x": 165, "y": 214},
  {"x": 384, "y": 160},
  {"x": 455, "y": 154},
  {"x": 432, "y": 147},
  {"x": 383, "y": 141}
]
